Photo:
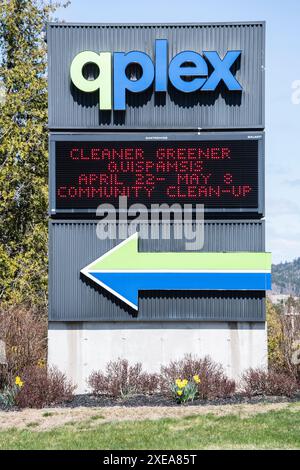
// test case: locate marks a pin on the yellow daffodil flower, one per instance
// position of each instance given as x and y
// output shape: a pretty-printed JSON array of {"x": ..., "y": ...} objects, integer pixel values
[
  {"x": 179, "y": 393},
  {"x": 181, "y": 383},
  {"x": 19, "y": 382},
  {"x": 197, "y": 379}
]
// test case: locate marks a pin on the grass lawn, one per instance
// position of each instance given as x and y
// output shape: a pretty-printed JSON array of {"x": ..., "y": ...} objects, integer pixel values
[{"x": 270, "y": 430}]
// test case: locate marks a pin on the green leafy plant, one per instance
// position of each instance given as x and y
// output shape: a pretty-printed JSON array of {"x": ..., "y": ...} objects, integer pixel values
[{"x": 8, "y": 395}]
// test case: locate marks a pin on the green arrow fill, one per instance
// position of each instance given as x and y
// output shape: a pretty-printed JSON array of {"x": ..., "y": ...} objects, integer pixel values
[{"x": 125, "y": 257}]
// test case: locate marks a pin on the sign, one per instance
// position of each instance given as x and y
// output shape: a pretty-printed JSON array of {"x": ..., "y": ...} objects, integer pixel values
[
  {"x": 123, "y": 271},
  {"x": 219, "y": 171},
  {"x": 188, "y": 72}
]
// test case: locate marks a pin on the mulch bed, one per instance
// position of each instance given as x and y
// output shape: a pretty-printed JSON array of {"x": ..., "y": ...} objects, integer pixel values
[
  {"x": 160, "y": 400},
  {"x": 92, "y": 401}
]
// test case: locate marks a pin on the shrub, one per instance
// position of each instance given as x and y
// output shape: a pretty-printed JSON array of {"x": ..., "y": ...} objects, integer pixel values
[
  {"x": 283, "y": 336},
  {"x": 24, "y": 332},
  {"x": 261, "y": 382},
  {"x": 275, "y": 337},
  {"x": 43, "y": 388},
  {"x": 122, "y": 380},
  {"x": 213, "y": 381}
]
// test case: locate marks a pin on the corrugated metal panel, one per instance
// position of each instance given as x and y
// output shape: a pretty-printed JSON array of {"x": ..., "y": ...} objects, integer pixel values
[
  {"x": 72, "y": 109},
  {"x": 74, "y": 244},
  {"x": 218, "y": 236},
  {"x": 204, "y": 306}
]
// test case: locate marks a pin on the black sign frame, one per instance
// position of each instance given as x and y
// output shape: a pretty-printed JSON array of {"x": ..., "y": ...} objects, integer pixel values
[{"x": 257, "y": 211}]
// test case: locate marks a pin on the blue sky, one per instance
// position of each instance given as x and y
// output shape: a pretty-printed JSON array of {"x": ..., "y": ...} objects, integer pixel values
[{"x": 283, "y": 68}]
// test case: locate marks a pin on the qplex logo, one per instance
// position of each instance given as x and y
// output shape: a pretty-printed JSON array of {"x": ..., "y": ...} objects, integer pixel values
[{"x": 188, "y": 71}]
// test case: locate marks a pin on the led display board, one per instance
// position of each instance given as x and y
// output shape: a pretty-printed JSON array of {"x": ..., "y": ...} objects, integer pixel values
[{"x": 221, "y": 171}]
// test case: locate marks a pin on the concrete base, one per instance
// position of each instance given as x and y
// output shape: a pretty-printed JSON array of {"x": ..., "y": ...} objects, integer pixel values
[{"x": 79, "y": 348}]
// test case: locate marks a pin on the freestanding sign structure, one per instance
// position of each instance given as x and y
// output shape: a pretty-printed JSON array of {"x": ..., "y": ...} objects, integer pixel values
[{"x": 156, "y": 120}]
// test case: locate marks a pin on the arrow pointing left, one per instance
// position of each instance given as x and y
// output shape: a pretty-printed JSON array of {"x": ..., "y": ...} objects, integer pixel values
[{"x": 124, "y": 271}]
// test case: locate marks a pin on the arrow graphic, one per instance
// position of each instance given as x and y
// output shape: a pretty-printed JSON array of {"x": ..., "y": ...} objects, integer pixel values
[{"x": 124, "y": 271}]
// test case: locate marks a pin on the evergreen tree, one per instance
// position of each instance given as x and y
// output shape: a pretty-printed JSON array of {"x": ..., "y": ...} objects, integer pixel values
[{"x": 23, "y": 151}]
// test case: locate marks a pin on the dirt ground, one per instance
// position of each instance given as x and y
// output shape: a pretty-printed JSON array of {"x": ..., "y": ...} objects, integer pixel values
[{"x": 49, "y": 418}]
